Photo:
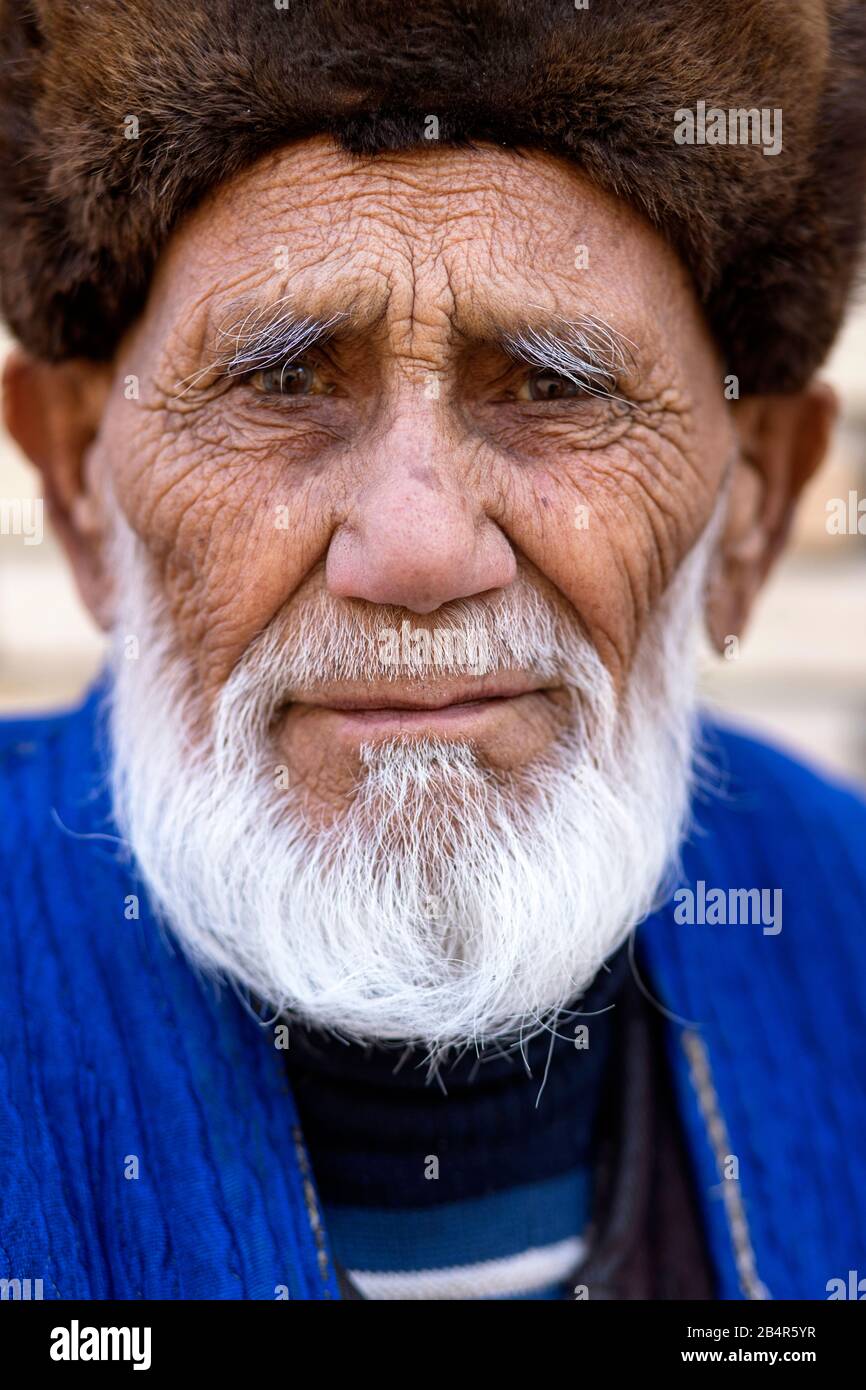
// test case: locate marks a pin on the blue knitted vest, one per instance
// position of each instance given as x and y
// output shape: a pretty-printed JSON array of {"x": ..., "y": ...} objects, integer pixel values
[{"x": 149, "y": 1144}]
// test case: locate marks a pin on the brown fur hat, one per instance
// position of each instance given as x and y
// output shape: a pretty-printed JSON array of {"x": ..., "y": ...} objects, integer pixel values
[{"x": 771, "y": 239}]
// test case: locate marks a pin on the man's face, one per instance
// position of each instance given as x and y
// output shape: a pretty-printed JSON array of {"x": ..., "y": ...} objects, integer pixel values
[
  {"x": 415, "y": 470},
  {"x": 412, "y": 459}
]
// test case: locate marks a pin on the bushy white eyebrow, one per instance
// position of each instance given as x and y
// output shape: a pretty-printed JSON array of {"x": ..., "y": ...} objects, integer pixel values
[
  {"x": 264, "y": 336},
  {"x": 269, "y": 335},
  {"x": 586, "y": 351}
]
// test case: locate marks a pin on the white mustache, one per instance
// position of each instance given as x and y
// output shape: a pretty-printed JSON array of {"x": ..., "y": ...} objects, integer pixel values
[{"x": 326, "y": 640}]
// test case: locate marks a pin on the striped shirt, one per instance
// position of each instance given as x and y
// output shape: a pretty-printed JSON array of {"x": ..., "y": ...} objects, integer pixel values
[{"x": 473, "y": 1184}]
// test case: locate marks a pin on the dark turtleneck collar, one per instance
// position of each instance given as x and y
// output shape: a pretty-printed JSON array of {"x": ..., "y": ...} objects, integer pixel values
[{"x": 371, "y": 1116}]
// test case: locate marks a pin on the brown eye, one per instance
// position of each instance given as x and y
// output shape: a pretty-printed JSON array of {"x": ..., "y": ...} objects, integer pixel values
[
  {"x": 287, "y": 379},
  {"x": 550, "y": 386}
]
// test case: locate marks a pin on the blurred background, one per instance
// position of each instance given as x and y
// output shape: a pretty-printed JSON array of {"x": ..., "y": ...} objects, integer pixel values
[{"x": 799, "y": 675}]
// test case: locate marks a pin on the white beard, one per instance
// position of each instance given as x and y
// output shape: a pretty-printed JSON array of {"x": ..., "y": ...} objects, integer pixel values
[{"x": 449, "y": 904}]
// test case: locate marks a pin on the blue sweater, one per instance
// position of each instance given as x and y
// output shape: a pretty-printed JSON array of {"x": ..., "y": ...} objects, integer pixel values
[{"x": 149, "y": 1142}]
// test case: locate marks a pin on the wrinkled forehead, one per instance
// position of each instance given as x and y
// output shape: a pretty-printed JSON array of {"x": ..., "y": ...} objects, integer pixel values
[{"x": 437, "y": 241}]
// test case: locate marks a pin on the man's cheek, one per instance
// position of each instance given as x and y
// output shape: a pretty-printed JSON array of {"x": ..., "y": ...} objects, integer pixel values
[
  {"x": 220, "y": 606},
  {"x": 208, "y": 548},
  {"x": 607, "y": 530}
]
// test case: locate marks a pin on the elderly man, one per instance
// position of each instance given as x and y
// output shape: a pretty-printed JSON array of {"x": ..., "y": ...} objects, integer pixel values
[{"x": 406, "y": 393}]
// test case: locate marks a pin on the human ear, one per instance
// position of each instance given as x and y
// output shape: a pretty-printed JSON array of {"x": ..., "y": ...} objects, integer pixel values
[
  {"x": 781, "y": 442},
  {"x": 53, "y": 412}
]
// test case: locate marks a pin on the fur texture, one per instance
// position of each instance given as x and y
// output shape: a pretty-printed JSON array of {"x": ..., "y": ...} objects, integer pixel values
[{"x": 770, "y": 241}]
